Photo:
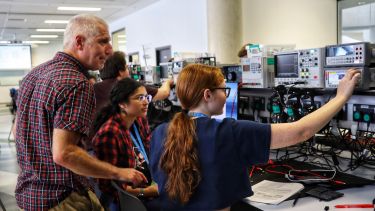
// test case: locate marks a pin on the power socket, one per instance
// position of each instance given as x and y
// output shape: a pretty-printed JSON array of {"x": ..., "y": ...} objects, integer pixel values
[{"x": 363, "y": 113}]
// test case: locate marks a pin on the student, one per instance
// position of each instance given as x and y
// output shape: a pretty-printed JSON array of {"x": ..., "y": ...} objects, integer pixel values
[
  {"x": 115, "y": 69},
  {"x": 123, "y": 138},
  {"x": 54, "y": 115},
  {"x": 201, "y": 163}
]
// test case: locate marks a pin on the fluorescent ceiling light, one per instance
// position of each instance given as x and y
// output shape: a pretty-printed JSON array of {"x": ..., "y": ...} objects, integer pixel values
[
  {"x": 122, "y": 41},
  {"x": 43, "y": 36},
  {"x": 50, "y": 30},
  {"x": 17, "y": 19},
  {"x": 4, "y": 42},
  {"x": 35, "y": 42},
  {"x": 79, "y": 8},
  {"x": 121, "y": 36},
  {"x": 57, "y": 21}
]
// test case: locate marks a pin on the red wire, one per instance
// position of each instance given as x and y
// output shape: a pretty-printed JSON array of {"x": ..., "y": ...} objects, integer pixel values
[{"x": 252, "y": 171}]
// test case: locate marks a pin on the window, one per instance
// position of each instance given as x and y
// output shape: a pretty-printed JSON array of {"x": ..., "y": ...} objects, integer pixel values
[
  {"x": 356, "y": 21},
  {"x": 119, "y": 40}
]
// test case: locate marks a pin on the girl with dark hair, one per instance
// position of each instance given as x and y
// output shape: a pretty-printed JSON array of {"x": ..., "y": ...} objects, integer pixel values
[
  {"x": 123, "y": 138},
  {"x": 201, "y": 163}
]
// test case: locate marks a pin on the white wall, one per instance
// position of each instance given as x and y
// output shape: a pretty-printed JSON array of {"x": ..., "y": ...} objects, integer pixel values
[
  {"x": 306, "y": 23},
  {"x": 43, "y": 53},
  {"x": 224, "y": 31},
  {"x": 182, "y": 24}
]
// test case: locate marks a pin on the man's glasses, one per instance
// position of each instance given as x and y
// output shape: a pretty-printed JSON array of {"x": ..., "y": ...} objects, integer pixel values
[
  {"x": 226, "y": 90},
  {"x": 141, "y": 98}
]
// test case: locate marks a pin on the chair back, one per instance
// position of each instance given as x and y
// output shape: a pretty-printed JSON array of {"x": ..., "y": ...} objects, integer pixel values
[{"x": 128, "y": 202}]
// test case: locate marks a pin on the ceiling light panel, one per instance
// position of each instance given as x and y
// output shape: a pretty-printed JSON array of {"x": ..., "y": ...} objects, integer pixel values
[
  {"x": 44, "y": 36},
  {"x": 35, "y": 42},
  {"x": 56, "y": 21},
  {"x": 50, "y": 30},
  {"x": 17, "y": 19},
  {"x": 92, "y": 9}
]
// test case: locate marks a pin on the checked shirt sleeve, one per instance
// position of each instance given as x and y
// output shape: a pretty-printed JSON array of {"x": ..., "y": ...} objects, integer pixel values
[{"x": 76, "y": 105}]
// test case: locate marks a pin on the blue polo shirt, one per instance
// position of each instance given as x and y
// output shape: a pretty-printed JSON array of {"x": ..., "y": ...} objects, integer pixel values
[{"x": 226, "y": 150}]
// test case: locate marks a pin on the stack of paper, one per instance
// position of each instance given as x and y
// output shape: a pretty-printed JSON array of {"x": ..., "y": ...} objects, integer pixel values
[{"x": 269, "y": 192}]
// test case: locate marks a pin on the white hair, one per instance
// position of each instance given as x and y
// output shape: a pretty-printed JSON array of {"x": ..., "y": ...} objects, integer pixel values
[{"x": 84, "y": 24}]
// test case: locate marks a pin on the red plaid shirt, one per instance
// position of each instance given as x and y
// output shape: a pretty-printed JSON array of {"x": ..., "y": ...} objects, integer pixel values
[
  {"x": 55, "y": 94},
  {"x": 113, "y": 144}
]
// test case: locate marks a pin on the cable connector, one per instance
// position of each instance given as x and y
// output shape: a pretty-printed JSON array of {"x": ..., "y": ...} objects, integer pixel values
[
  {"x": 365, "y": 153},
  {"x": 353, "y": 131},
  {"x": 335, "y": 130}
]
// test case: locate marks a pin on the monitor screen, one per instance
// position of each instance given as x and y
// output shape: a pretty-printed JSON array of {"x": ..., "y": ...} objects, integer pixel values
[
  {"x": 230, "y": 107},
  {"x": 15, "y": 57},
  {"x": 286, "y": 65},
  {"x": 232, "y": 73}
]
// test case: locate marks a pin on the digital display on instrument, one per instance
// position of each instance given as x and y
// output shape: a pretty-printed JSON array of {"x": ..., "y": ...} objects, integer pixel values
[
  {"x": 335, "y": 77},
  {"x": 177, "y": 66},
  {"x": 232, "y": 68},
  {"x": 341, "y": 51},
  {"x": 286, "y": 65}
]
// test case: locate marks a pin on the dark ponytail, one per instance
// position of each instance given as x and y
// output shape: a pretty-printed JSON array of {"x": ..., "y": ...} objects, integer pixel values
[{"x": 120, "y": 93}]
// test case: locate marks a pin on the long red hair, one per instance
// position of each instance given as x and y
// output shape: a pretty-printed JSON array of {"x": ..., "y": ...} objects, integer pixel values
[{"x": 180, "y": 159}]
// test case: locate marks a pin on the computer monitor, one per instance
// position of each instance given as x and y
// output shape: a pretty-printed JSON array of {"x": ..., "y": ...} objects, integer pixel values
[
  {"x": 15, "y": 57},
  {"x": 230, "y": 109}
]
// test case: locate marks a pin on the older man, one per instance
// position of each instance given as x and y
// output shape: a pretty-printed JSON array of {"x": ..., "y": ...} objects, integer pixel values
[{"x": 56, "y": 103}]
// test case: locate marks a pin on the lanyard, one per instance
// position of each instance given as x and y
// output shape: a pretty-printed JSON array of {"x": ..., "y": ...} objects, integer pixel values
[
  {"x": 138, "y": 143},
  {"x": 197, "y": 114}
]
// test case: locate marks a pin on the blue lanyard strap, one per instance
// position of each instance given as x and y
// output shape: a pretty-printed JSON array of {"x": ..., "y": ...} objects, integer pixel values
[
  {"x": 197, "y": 114},
  {"x": 138, "y": 143}
]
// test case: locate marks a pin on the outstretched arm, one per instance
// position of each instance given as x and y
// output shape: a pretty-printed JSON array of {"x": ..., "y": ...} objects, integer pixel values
[
  {"x": 286, "y": 134},
  {"x": 164, "y": 90}
]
